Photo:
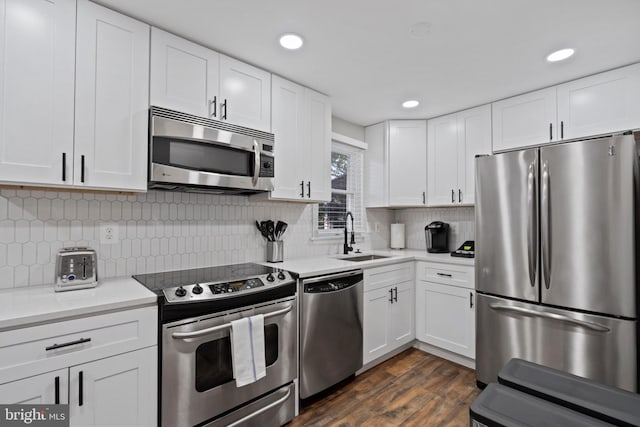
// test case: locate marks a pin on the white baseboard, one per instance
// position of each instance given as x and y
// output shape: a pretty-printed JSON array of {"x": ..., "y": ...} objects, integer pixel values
[
  {"x": 387, "y": 356},
  {"x": 445, "y": 354}
]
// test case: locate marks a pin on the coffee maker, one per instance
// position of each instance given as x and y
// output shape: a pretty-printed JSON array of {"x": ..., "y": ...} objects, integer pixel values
[{"x": 437, "y": 235}]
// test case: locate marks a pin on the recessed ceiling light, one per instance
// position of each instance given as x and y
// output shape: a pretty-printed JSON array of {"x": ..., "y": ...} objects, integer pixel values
[
  {"x": 412, "y": 103},
  {"x": 420, "y": 30},
  {"x": 560, "y": 55},
  {"x": 291, "y": 41}
]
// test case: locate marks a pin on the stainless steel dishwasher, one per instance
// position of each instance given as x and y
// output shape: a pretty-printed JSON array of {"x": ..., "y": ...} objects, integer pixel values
[{"x": 331, "y": 330}]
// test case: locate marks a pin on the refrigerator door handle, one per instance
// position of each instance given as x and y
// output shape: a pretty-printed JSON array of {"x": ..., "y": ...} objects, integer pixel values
[
  {"x": 532, "y": 229},
  {"x": 546, "y": 226},
  {"x": 553, "y": 316}
]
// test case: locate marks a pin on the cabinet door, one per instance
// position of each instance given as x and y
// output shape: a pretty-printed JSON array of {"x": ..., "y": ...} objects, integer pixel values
[
  {"x": 402, "y": 313},
  {"x": 184, "y": 75},
  {"x": 376, "y": 318},
  {"x": 446, "y": 317},
  {"x": 375, "y": 167},
  {"x": 116, "y": 391},
  {"x": 37, "y": 47},
  {"x": 38, "y": 390},
  {"x": 245, "y": 92},
  {"x": 318, "y": 141},
  {"x": 474, "y": 138},
  {"x": 287, "y": 123},
  {"x": 606, "y": 102},
  {"x": 524, "y": 120},
  {"x": 112, "y": 99},
  {"x": 407, "y": 162},
  {"x": 442, "y": 156}
]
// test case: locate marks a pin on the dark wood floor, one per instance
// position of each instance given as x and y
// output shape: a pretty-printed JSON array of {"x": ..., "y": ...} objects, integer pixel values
[{"x": 412, "y": 389}]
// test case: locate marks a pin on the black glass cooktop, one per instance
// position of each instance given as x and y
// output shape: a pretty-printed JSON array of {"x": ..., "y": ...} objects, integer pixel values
[{"x": 157, "y": 282}]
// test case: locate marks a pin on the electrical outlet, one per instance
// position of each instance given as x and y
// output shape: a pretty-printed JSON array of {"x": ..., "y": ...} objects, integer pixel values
[{"x": 109, "y": 233}]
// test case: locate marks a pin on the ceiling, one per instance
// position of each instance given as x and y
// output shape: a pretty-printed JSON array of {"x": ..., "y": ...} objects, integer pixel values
[{"x": 361, "y": 52}]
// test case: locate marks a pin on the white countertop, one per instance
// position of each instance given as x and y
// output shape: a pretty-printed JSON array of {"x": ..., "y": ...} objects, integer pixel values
[
  {"x": 36, "y": 304},
  {"x": 327, "y": 264}
]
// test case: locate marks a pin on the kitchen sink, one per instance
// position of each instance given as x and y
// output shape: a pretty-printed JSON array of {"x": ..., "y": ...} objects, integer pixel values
[{"x": 365, "y": 258}]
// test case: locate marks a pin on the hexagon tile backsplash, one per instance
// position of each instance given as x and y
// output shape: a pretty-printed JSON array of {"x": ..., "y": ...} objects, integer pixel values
[{"x": 156, "y": 231}]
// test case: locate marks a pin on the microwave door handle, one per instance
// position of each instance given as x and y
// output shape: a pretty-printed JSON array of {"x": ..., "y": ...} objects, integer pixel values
[{"x": 256, "y": 162}]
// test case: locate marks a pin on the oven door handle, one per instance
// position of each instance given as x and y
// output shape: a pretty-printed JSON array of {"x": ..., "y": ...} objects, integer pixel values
[
  {"x": 202, "y": 332},
  {"x": 262, "y": 410}
]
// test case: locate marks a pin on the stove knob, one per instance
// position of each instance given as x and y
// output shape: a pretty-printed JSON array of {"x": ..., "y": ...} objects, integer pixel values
[
  {"x": 180, "y": 292},
  {"x": 270, "y": 277},
  {"x": 281, "y": 276},
  {"x": 197, "y": 289}
]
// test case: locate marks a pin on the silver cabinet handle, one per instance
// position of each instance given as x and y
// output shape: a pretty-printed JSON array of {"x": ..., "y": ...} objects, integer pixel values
[
  {"x": 545, "y": 222},
  {"x": 532, "y": 229},
  {"x": 553, "y": 316},
  {"x": 196, "y": 334},
  {"x": 256, "y": 162},
  {"x": 261, "y": 410}
]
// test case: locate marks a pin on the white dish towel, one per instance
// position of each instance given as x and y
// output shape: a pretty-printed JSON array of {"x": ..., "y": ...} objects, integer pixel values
[{"x": 247, "y": 349}]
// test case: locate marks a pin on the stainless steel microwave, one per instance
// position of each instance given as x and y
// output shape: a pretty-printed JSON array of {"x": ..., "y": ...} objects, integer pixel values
[{"x": 194, "y": 154}]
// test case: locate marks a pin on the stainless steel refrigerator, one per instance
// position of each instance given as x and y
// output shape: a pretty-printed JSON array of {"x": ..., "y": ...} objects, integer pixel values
[{"x": 556, "y": 259}]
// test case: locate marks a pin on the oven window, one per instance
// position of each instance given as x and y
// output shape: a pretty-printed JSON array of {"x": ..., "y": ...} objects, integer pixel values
[
  {"x": 202, "y": 157},
  {"x": 213, "y": 359}
]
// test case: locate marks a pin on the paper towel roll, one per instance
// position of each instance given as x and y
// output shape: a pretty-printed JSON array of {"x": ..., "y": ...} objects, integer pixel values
[{"x": 397, "y": 236}]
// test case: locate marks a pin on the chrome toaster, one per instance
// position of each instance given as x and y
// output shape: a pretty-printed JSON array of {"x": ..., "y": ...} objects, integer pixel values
[{"x": 76, "y": 268}]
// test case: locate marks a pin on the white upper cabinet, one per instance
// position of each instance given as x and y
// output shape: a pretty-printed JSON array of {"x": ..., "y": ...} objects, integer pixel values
[
  {"x": 246, "y": 94},
  {"x": 443, "y": 154},
  {"x": 112, "y": 100},
  {"x": 606, "y": 102},
  {"x": 192, "y": 79},
  {"x": 301, "y": 123},
  {"x": 318, "y": 130},
  {"x": 524, "y": 120},
  {"x": 453, "y": 142},
  {"x": 184, "y": 75},
  {"x": 37, "y": 47},
  {"x": 474, "y": 138},
  {"x": 287, "y": 123},
  {"x": 407, "y": 162},
  {"x": 375, "y": 170}
]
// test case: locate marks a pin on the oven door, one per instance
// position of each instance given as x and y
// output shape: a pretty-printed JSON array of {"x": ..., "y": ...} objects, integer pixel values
[
  {"x": 197, "y": 373},
  {"x": 183, "y": 153}
]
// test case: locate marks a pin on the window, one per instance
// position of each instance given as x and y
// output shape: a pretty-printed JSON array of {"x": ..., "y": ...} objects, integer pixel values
[{"x": 346, "y": 192}]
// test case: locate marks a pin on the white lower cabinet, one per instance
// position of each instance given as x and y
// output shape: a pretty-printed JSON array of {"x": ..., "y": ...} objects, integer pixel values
[
  {"x": 388, "y": 309},
  {"x": 104, "y": 366},
  {"x": 445, "y": 317},
  {"x": 52, "y": 387},
  {"x": 445, "y": 308},
  {"x": 116, "y": 391}
]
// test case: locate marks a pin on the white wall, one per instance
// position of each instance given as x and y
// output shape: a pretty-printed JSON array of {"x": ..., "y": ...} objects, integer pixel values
[
  {"x": 347, "y": 128},
  {"x": 157, "y": 231}
]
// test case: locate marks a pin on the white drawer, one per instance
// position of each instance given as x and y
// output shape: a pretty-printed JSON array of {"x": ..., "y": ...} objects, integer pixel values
[
  {"x": 446, "y": 274},
  {"x": 379, "y": 277},
  {"x": 37, "y": 349}
]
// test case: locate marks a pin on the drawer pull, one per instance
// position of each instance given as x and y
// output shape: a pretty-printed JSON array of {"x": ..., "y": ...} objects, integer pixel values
[
  {"x": 444, "y": 275},
  {"x": 67, "y": 344}
]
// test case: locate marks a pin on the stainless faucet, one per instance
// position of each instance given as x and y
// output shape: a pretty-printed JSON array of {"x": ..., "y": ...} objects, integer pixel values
[{"x": 346, "y": 246}]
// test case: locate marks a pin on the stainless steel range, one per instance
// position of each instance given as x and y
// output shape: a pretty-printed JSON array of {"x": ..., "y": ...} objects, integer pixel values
[{"x": 195, "y": 309}]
